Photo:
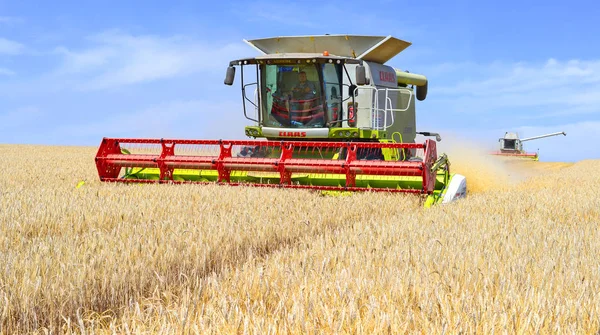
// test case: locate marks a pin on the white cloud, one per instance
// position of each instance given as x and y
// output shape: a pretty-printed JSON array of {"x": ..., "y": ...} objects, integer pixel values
[
  {"x": 117, "y": 59},
  {"x": 192, "y": 119},
  {"x": 6, "y": 72},
  {"x": 519, "y": 77},
  {"x": 9, "y": 47},
  {"x": 84, "y": 61},
  {"x": 560, "y": 87}
]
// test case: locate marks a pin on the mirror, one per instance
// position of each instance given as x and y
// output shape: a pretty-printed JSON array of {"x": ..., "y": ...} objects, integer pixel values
[
  {"x": 351, "y": 90},
  {"x": 361, "y": 75},
  {"x": 230, "y": 76}
]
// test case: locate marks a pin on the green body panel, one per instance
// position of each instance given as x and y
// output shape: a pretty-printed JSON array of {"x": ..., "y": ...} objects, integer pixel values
[
  {"x": 335, "y": 133},
  {"x": 336, "y": 180}
]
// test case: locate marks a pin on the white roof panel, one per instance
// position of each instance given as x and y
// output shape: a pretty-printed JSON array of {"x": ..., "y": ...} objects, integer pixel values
[{"x": 377, "y": 49}]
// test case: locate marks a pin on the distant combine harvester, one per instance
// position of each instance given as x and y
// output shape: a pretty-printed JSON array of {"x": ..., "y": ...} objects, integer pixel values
[{"x": 512, "y": 146}]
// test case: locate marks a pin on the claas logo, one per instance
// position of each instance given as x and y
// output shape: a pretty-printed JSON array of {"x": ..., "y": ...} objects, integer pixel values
[
  {"x": 387, "y": 76},
  {"x": 292, "y": 133}
]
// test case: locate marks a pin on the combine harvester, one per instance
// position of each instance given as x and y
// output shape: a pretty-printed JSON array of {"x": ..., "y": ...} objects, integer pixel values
[
  {"x": 512, "y": 146},
  {"x": 331, "y": 117}
]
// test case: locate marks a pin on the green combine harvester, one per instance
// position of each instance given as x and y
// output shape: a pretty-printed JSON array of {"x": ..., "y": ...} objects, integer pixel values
[
  {"x": 328, "y": 115},
  {"x": 511, "y": 146}
]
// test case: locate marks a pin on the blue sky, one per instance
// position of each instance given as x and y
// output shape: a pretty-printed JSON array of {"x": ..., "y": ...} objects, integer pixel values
[{"x": 74, "y": 72}]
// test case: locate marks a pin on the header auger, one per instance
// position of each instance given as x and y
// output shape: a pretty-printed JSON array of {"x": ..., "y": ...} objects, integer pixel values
[{"x": 329, "y": 116}]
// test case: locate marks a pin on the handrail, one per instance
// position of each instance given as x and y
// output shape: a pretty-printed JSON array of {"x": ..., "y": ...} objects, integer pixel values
[
  {"x": 375, "y": 110},
  {"x": 410, "y": 95},
  {"x": 252, "y": 102}
]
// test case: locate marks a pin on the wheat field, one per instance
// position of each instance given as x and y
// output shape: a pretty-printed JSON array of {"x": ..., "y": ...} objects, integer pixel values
[{"x": 519, "y": 255}]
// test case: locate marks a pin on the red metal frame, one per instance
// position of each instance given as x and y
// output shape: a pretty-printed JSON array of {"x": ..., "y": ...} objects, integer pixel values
[
  {"x": 526, "y": 154},
  {"x": 110, "y": 160}
]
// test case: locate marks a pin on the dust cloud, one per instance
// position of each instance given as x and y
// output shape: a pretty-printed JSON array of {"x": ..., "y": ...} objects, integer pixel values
[{"x": 484, "y": 172}]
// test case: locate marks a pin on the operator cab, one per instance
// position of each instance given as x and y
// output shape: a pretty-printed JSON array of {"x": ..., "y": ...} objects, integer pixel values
[
  {"x": 297, "y": 96},
  {"x": 510, "y": 142},
  {"x": 334, "y": 87},
  {"x": 299, "y": 92}
]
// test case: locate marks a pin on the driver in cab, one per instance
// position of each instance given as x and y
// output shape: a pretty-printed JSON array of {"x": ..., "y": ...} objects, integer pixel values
[
  {"x": 304, "y": 89},
  {"x": 300, "y": 99}
]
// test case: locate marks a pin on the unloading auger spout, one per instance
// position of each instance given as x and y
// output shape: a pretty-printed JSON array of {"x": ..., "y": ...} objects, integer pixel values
[{"x": 542, "y": 136}]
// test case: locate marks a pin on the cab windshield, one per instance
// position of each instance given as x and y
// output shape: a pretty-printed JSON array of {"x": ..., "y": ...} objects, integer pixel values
[{"x": 302, "y": 95}]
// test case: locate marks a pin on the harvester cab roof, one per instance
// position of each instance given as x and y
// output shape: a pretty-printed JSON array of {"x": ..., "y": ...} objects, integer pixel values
[
  {"x": 377, "y": 49},
  {"x": 335, "y": 119}
]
